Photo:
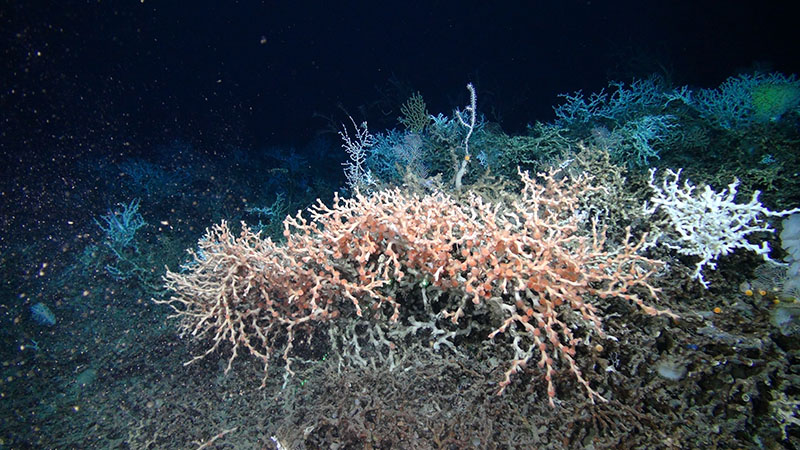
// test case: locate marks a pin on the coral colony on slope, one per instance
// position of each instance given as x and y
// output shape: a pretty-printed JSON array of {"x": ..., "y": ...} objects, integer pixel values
[
  {"x": 445, "y": 271},
  {"x": 476, "y": 265},
  {"x": 623, "y": 275}
]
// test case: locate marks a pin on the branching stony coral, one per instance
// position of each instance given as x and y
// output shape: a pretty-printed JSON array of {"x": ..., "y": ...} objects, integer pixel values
[
  {"x": 710, "y": 224},
  {"x": 745, "y": 99},
  {"x": 532, "y": 264}
]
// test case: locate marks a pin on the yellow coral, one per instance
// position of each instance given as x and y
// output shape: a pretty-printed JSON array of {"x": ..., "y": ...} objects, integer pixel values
[
  {"x": 415, "y": 114},
  {"x": 772, "y": 100}
]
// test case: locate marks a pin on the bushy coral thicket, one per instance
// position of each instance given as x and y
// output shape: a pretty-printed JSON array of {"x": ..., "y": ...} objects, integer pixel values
[{"x": 532, "y": 266}]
